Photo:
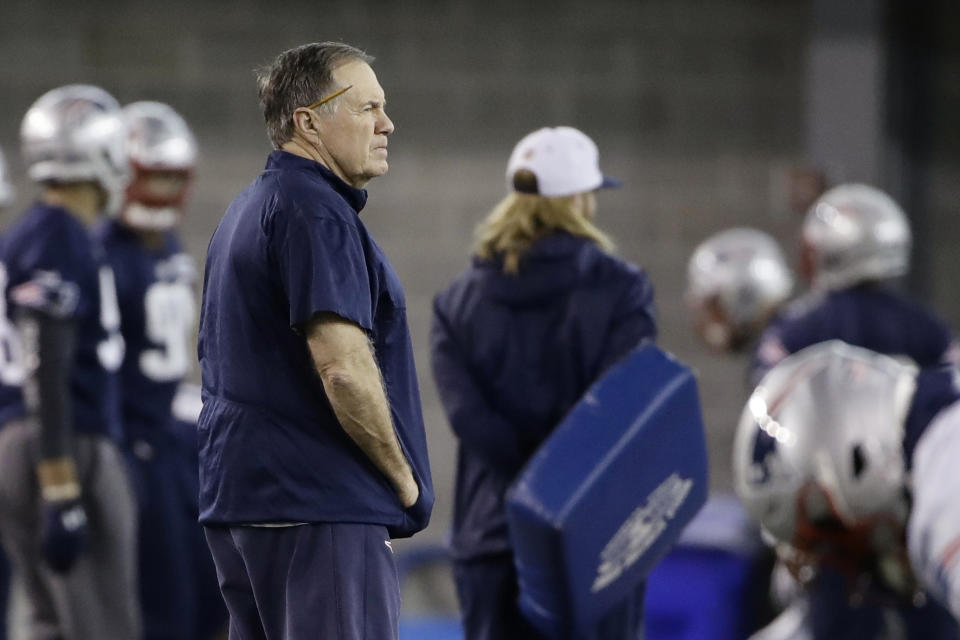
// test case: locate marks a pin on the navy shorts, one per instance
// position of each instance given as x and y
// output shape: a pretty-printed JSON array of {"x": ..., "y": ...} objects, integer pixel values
[{"x": 307, "y": 582}]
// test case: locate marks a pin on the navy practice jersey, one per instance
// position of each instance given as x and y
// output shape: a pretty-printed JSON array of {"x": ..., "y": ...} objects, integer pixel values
[
  {"x": 155, "y": 292},
  {"x": 870, "y": 316},
  {"x": 512, "y": 353},
  {"x": 48, "y": 242},
  {"x": 290, "y": 246}
]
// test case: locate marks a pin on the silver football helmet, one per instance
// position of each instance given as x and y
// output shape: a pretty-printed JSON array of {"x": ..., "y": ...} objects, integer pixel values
[
  {"x": 75, "y": 133},
  {"x": 735, "y": 280},
  {"x": 6, "y": 187},
  {"x": 818, "y": 461},
  {"x": 163, "y": 153},
  {"x": 854, "y": 233}
]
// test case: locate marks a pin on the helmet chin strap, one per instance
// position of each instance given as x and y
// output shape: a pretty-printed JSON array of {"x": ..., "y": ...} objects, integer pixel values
[{"x": 870, "y": 554}]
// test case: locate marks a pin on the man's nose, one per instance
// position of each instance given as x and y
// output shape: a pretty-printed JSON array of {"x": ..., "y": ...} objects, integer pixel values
[{"x": 386, "y": 125}]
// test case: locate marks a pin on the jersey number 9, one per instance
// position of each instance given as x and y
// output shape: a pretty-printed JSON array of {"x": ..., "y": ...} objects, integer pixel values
[{"x": 169, "y": 310}]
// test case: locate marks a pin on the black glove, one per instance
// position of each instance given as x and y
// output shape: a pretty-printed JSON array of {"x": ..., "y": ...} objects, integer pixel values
[{"x": 64, "y": 534}]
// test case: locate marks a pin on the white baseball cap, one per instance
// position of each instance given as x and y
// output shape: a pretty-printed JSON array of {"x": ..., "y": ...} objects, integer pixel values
[{"x": 564, "y": 160}]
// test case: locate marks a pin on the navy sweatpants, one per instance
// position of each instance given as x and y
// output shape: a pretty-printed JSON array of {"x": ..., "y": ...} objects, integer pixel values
[{"x": 307, "y": 582}]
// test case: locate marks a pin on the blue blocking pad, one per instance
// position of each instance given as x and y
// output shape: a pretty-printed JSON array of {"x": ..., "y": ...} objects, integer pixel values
[{"x": 606, "y": 496}]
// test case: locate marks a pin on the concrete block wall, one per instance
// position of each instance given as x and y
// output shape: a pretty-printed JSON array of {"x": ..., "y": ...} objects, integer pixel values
[{"x": 696, "y": 105}]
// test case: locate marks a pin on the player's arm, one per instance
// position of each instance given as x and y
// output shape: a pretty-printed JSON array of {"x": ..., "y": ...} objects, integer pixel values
[
  {"x": 43, "y": 312},
  {"x": 345, "y": 361},
  {"x": 480, "y": 428},
  {"x": 933, "y": 530}
]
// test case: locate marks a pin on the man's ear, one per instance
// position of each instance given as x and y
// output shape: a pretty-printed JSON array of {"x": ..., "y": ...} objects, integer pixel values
[{"x": 305, "y": 123}]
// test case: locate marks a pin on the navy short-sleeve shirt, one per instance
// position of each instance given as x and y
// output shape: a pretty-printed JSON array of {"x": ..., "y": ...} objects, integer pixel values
[{"x": 292, "y": 245}]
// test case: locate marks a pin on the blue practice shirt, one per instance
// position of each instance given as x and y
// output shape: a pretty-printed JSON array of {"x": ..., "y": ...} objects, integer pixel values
[
  {"x": 512, "y": 353},
  {"x": 290, "y": 246},
  {"x": 48, "y": 241},
  {"x": 871, "y": 316},
  {"x": 155, "y": 292}
]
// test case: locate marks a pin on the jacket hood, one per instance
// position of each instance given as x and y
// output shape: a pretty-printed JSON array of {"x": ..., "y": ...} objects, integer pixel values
[{"x": 549, "y": 267}]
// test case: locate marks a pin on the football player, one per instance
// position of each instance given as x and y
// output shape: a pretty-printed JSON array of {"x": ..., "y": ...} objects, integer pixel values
[
  {"x": 846, "y": 458},
  {"x": 67, "y": 511},
  {"x": 856, "y": 242},
  {"x": 6, "y": 199},
  {"x": 736, "y": 281},
  {"x": 155, "y": 290}
]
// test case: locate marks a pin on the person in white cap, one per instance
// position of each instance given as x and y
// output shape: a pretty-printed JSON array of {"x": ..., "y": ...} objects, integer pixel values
[{"x": 516, "y": 340}]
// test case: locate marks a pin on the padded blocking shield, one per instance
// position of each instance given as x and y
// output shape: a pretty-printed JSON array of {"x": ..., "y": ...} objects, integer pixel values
[{"x": 608, "y": 493}]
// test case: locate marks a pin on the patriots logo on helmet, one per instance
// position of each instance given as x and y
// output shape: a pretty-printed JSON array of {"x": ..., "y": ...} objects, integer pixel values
[{"x": 763, "y": 458}]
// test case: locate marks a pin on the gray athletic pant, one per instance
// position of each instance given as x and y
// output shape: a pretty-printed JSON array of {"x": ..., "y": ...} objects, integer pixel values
[{"x": 97, "y": 598}]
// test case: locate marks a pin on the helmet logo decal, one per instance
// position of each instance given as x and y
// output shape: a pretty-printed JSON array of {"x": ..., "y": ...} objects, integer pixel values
[{"x": 763, "y": 458}]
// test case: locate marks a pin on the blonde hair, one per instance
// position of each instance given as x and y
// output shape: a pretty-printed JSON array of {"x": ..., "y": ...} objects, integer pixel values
[{"x": 521, "y": 219}]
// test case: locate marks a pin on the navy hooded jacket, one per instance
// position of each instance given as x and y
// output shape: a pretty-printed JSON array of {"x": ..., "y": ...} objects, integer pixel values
[{"x": 511, "y": 354}]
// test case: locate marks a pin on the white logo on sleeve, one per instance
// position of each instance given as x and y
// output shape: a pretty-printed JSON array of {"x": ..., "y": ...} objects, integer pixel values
[
  {"x": 641, "y": 529},
  {"x": 389, "y": 545}
]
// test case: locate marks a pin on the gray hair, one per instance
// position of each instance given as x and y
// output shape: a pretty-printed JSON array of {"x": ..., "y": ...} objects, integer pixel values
[{"x": 299, "y": 77}]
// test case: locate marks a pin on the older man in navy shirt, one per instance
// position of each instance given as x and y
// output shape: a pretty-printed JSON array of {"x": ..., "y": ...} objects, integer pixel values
[{"x": 312, "y": 447}]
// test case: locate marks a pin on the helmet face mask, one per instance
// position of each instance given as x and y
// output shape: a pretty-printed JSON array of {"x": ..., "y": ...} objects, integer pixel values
[
  {"x": 854, "y": 233},
  {"x": 818, "y": 463},
  {"x": 75, "y": 134},
  {"x": 736, "y": 280},
  {"x": 869, "y": 553},
  {"x": 712, "y": 324},
  {"x": 163, "y": 153}
]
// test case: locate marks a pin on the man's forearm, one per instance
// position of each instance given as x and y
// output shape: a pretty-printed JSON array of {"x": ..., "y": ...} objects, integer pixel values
[
  {"x": 356, "y": 394},
  {"x": 344, "y": 358}
]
